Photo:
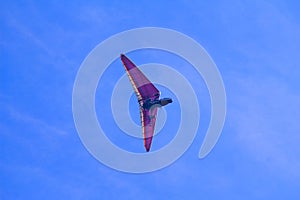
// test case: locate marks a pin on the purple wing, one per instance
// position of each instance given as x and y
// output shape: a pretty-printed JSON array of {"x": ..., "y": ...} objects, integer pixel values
[
  {"x": 144, "y": 90},
  {"x": 148, "y": 123}
]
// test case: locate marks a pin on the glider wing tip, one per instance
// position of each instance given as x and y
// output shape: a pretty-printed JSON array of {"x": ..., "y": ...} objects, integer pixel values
[{"x": 147, "y": 148}]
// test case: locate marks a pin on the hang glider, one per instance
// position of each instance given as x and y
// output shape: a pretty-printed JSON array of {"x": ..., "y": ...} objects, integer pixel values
[{"x": 148, "y": 99}]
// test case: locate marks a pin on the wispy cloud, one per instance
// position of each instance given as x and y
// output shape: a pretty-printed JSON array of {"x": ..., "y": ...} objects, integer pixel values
[
  {"x": 266, "y": 124},
  {"x": 32, "y": 121}
]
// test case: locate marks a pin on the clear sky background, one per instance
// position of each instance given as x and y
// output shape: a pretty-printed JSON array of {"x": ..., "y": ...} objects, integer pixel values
[{"x": 255, "y": 45}]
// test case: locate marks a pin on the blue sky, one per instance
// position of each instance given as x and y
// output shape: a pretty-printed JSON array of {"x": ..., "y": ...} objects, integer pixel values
[{"x": 255, "y": 45}]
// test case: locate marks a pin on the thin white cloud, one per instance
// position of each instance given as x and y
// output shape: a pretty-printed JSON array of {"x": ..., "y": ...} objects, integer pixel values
[
  {"x": 21, "y": 117},
  {"x": 266, "y": 124}
]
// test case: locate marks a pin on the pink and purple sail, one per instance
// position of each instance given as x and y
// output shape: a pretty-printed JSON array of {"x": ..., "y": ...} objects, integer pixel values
[{"x": 148, "y": 98}]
